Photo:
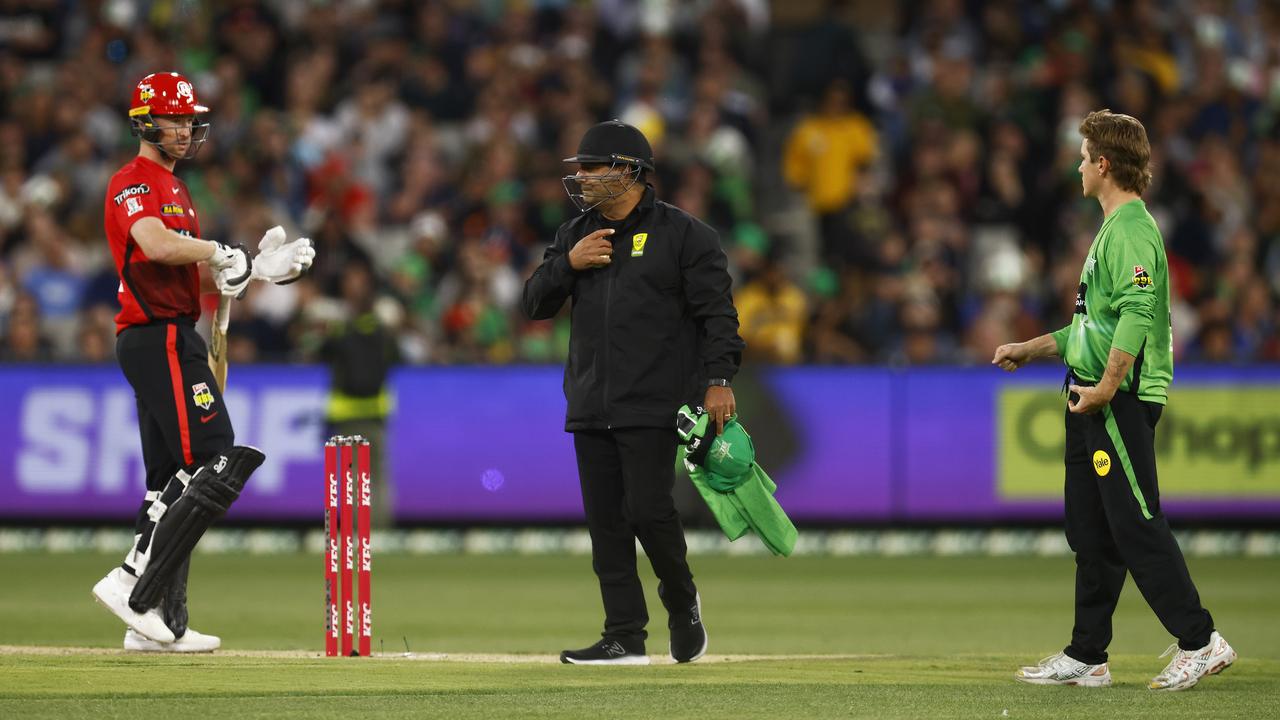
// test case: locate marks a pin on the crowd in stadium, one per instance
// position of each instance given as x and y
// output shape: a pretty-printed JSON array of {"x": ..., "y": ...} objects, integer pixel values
[{"x": 891, "y": 185}]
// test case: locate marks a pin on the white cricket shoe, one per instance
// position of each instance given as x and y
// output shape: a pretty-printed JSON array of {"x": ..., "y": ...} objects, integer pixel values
[
  {"x": 113, "y": 592},
  {"x": 1188, "y": 666},
  {"x": 1062, "y": 669},
  {"x": 190, "y": 642}
]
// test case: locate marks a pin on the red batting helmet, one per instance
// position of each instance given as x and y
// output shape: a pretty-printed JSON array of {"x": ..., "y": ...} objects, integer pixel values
[{"x": 167, "y": 94}]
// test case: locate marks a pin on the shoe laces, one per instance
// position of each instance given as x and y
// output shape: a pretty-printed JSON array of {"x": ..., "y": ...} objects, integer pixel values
[
  {"x": 1181, "y": 658},
  {"x": 1053, "y": 659}
]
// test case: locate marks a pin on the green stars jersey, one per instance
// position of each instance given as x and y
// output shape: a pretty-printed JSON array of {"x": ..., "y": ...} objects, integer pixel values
[{"x": 1123, "y": 302}]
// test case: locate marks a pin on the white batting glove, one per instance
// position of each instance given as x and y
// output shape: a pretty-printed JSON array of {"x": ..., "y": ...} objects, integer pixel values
[
  {"x": 232, "y": 269},
  {"x": 282, "y": 262},
  {"x": 271, "y": 240}
]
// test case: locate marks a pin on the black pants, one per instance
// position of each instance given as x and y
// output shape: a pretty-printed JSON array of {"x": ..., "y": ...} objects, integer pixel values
[
  {"x": 1114, "y": 525},
  {"x": 181, "y": 416},
  {"x": 627, "y": 476}
]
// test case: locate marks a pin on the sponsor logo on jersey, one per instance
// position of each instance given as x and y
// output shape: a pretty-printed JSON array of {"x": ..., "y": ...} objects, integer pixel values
[
  {"x": 1089, "y": 263},
  {"x": 1080, "y": 306},
  {"x": 131, "y": 191},
  {"x": 1140, "y": 277},
  {"x": 133, "y": 206},
  {"x": 637, "y": 244},
  {"x": 1101, "y": 463},
  {"x": 172, "y": 209},
  {"x": 201, "y": 396}
]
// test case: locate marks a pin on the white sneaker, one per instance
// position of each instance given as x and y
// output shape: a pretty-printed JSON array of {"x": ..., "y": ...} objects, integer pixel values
[
  {"x": 113, "y": 592},
  {"x": 190, "y": 642},
  {"x": 1188, "y": 666},
  {"x": 1062, "y": 669}
]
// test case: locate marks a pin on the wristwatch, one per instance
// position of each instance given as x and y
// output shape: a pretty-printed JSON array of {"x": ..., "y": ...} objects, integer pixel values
[{"x": 718, "y": 382}]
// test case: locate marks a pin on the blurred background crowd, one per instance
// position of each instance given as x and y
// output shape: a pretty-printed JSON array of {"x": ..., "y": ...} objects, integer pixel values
[{"x": 893, "y": 182}]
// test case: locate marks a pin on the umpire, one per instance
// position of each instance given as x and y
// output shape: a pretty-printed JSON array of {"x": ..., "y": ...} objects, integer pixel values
[{"x": 652, "y": 327}]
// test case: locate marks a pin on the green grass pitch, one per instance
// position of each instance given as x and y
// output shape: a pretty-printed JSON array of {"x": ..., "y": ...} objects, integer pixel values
[{"x": 822, "y": 637}]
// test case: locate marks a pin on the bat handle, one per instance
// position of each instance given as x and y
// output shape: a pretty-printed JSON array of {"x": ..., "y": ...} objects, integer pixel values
[{"x": 223, "y": 317}]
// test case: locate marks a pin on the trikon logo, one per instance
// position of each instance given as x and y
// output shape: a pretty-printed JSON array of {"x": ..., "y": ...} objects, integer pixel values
[{"x": 131, "y": 191}]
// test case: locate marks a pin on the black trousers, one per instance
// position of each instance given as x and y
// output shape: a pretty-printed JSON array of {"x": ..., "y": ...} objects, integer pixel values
[
  {"x": 181, "y": 417},
  {"x": 1114, "y": 525},
  {"x": 627, "y": 476}
]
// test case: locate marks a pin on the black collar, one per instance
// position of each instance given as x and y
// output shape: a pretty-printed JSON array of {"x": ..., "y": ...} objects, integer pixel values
[{"x": 646, "y": 202}]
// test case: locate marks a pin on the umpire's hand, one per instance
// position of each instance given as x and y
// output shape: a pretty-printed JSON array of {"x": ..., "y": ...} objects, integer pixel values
[
  {"x": 720, "y": 405},
  {"x": 592, "y": 251}
]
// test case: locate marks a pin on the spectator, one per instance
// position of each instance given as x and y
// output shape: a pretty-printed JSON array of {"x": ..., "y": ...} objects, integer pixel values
[
  {"x": 772, "y": 313},
  {"x": 824, "y": 157},
  {"x": 423, "y": 140}
]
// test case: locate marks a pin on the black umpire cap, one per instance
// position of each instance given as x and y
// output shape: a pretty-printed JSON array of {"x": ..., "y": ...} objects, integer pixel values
[{"x": 611, "y": 142}]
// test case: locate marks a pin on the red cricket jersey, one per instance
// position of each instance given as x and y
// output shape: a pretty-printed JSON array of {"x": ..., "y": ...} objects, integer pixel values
[{"x": 150, "y": 291}]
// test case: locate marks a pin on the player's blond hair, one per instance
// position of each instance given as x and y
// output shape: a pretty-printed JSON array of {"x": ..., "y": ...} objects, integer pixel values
[{"x": 1122, "y": 140}]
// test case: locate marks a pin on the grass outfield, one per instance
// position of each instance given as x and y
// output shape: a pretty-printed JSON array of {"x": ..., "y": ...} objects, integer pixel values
[{"x": 855, "y": 637}]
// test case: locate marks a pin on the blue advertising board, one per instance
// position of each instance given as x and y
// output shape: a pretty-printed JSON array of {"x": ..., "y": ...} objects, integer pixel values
[{"x": 486, "y": 444}]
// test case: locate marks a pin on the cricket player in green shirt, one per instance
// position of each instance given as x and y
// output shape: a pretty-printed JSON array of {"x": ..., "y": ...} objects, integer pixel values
[{"x": 1119, "y": 354}]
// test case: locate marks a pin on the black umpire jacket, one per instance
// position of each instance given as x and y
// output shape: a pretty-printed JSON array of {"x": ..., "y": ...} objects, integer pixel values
[{"x": 647, "y": 330}]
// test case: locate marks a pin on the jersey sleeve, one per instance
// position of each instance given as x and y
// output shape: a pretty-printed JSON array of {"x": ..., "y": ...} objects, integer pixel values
[
  {"x": 553, "y": 281},
  {"x": 135, "y": 200},
  {"x": 1132, "y": 258},
  {"x": 1060, "y": 340},
  {"x": 708, "y": 291}
]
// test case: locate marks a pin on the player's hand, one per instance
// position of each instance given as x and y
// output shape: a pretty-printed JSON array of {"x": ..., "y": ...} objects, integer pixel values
[
  {"x": 1089, "y": 400},
  {"x": 282, "y": 262},
  {"x": 229, "y": 257},
  {"x": 720, "y": 405},
  {"x": 1011, "y": 356},
  {"x": 232, "y": 269},
  {"x": 272, "y": 240},
  {"x": 592, "y": 251}
]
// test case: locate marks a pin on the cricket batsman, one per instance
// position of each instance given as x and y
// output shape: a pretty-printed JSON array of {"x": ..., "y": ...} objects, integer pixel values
[{"x": 194, "y": 469}]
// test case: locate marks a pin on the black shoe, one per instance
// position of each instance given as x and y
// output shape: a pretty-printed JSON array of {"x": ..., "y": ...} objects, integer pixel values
[
  {"x": 609, "y": 651},
  {"x": 688, "y": 635}
]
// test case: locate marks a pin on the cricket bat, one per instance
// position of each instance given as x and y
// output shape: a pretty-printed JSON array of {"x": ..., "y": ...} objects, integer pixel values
[{"x": 218, "y": 342}]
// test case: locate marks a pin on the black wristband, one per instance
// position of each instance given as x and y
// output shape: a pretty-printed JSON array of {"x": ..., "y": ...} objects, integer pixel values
[{"x": 718, "y": 382}]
